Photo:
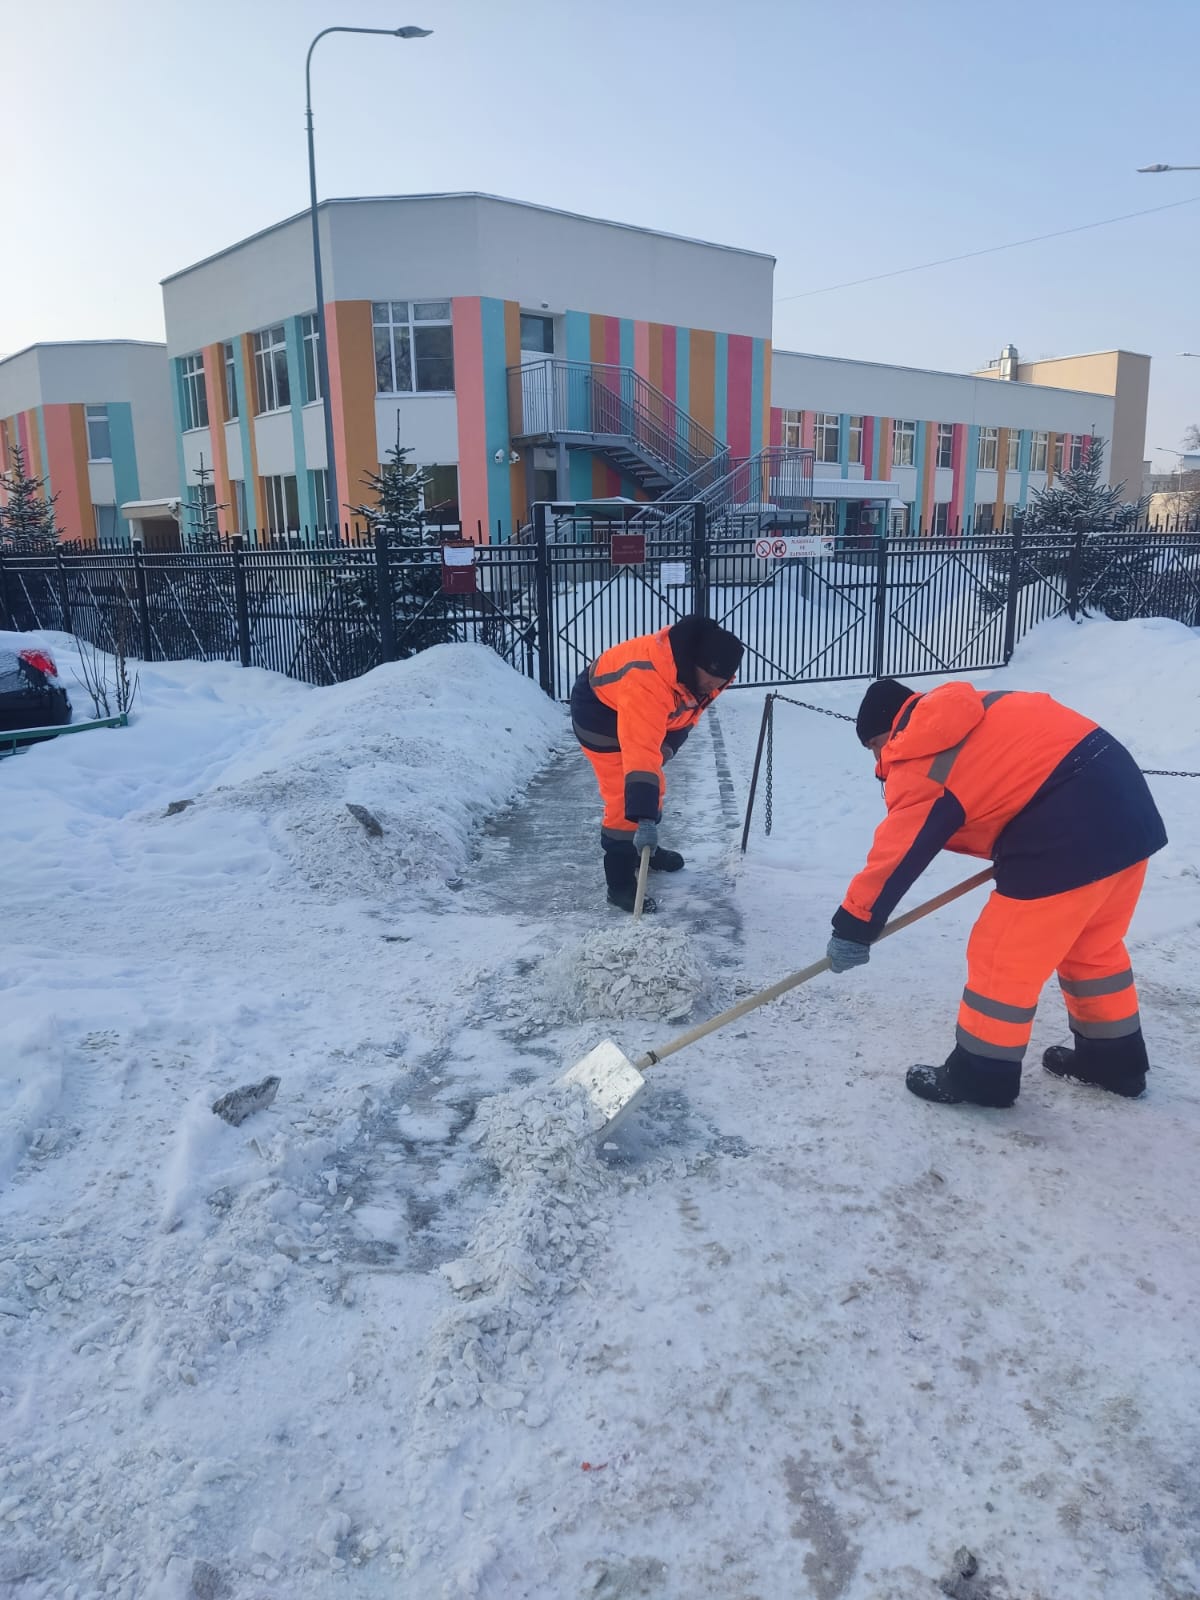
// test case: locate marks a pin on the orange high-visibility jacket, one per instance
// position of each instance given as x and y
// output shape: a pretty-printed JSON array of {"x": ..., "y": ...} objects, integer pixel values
[
  {"x": 631, "y": 702},
  {"x": 1053, "y": 799}
]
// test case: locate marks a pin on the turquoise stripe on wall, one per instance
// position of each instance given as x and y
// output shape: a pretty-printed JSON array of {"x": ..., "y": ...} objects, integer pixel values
[
  {"x": 177, "y": 407},
  {"x": 124, "y": 457},
  {"x": 241, "y": 379},
  {"x": 844, "y": 449},
  {"x": 923, "y": 469},
  {"x": 295, "y": 372},
  {"x": 970, "y": 468},
  {"x": 721, "y": 383},
  {"x": 495, "y": 411},
  {"x": 627, "y": 351},
  {"x": 41, "y": 427},
  {"x": 1023, "y": 461},
  {"x": 757, "y": 379},
  {"x": 579, "y": 348}
]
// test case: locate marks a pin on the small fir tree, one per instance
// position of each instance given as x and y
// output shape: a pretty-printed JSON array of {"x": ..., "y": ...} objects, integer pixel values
[
  {"x": 27, "y": 520},
  {"x": 204, "y": 530}
]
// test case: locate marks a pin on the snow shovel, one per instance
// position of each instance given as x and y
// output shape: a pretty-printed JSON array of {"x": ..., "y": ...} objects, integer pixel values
[
  {"x": 611, "y": 1082},
  {"x": 643, "y": 870}
]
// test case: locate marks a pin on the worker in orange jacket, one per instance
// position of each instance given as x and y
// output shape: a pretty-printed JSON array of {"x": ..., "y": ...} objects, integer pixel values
[
  {"x": 632, "y": 710},
  {"x": 1068, "y": 819}
]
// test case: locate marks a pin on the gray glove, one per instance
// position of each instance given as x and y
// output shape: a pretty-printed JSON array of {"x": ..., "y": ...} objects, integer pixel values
[
  {"x": 846, "y": 953},
  {"x": 646, "y": 835}
]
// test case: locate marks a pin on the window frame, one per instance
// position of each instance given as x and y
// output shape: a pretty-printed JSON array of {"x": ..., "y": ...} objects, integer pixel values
[
  {"x": 276, "y": 502},
  {"x": 945, "y": 447},
  {"x": 987, "y": 437},
  {"x": 791, "y": 434},
  {"x": 854, "y": 442},
  {"x": 318, "y": 488},
  {"x": 229, "y": 361},
  {"x": 1076, "y": 456},
  {"x": 978, "y": 521},
  {"x": 310, "y": 362},
  {"x": 411, "y": 325},
  {"x": 1039, "y": 452},
  {"x": 939, "y": 526},
  {"x": 825, "y": 423},
  {"x": 904, "y": 432},
  {"x": 193, "y": 393},
  {"x": 103, "y": 421},
  {"x": 1060, "y": 445},
  {"x": 547, "y": 322},
  {"x": 97, "y": 508},
  {"x": 238, "y": 489},
  {"x": 1013, "y": 451},
  {"x": 268, "y": 369}
]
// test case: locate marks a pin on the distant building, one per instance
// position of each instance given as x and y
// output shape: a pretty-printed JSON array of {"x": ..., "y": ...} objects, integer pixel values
[
  {"x": 94, "y": 418},
  {"x": 1120, "y": 373}
]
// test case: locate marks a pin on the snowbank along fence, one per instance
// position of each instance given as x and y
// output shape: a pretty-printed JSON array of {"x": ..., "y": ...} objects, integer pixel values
[{"x": 573, "y": 583}]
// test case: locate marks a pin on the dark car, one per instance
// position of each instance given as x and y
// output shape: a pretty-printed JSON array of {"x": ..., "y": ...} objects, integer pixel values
[{"x": 30, "y": 694}]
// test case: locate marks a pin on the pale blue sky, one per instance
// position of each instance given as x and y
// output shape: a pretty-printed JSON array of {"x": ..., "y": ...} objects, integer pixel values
[{"x": 844, "y": 139}]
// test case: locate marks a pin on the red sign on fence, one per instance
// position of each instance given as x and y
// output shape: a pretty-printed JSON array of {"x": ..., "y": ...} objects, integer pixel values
[
  {"x": 627, "y": 550},
  {"x": 458, "y": 567}
]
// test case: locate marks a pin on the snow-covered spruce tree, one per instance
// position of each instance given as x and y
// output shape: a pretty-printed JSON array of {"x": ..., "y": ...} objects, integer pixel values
[
  {"x": 27, "y": 520},
  {"x": 1067, "y": 529}
]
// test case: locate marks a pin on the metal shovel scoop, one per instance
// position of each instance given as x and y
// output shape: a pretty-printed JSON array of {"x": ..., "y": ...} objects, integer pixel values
[{"x": 611, "y": 1082}]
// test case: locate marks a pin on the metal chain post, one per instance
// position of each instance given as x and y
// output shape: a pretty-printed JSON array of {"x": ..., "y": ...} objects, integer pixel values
[{"x": 769, "y": 811}]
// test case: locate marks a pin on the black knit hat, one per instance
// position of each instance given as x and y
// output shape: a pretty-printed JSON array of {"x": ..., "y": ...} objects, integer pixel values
[
  {"x": 701, "y": 642},
  {"x": 880, "y": 708}
]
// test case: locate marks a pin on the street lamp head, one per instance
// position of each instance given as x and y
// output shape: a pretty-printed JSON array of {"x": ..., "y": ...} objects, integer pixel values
[
  {"x": 413, "y": 33},
  {"x": 1159, "y": 166}
]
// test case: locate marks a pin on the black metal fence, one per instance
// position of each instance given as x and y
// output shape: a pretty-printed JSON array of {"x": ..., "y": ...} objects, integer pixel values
[{"x": 552, "y": 599}]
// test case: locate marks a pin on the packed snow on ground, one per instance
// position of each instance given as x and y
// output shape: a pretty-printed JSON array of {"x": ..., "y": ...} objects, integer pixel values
[{"x": 787, "y": 1331}]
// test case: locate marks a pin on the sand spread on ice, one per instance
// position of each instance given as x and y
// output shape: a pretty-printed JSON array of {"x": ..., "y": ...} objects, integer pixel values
[{"x": 634, "y": 971}]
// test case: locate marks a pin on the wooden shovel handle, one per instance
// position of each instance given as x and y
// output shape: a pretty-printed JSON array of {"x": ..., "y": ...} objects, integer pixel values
[
  {"x": 797, "y": 978},
  {"x": 643, "y": 870}
]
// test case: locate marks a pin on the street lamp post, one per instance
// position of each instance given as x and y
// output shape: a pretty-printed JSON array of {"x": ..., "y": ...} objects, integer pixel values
[
  {"x": 332, "y": 520},
  {"x": 1164, "y": 166}
]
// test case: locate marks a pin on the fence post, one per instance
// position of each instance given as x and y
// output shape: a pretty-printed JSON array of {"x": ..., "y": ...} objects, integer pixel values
[
  {"x": 881, "y": 595},
  {"x": 7, "y": 620},
  {"x": 541, "y": 584},
  {"x": 241, "y": 599},
  {"x": 143, "y": 602},
  {"x": 768, "y": 713},
  {"x": 383, "y": 596},
  {"x": 700, "y": 559},
  {"x": 1015, "y": 557},
  {"x": 64, "y": 594},
  {"x": 1074, "y": 571}
]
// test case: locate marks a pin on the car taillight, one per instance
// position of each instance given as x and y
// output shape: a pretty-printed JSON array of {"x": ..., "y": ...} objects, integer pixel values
[{"x": 40, "y": 662}]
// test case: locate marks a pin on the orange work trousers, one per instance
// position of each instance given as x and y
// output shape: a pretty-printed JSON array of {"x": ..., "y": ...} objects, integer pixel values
[
  {"x": 1017, "y": 944},
  {"x": 610, "y": 775}
]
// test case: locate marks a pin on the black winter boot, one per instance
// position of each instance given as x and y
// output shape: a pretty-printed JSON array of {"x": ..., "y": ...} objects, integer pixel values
[
  {"x": 959, "y": 1080},
  {"x": 1126, "y": 1078},
  {"x": 665, "y": 860},
  {"x": 620, "y": 873},
  {"x": 624, "y": 897}
]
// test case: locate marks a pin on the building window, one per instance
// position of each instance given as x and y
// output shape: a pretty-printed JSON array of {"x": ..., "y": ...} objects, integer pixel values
[
  {"x": 310, "y": 338},
  {"x": 1039, "y": 452},
  {"x": 904, "y": 444},
  {"x": 793, "y": 429},
  {"x": 238, "y": 485},
  {"x": 828, "y": 436},
  {"x": 1014, "y": 449},
  {"x": 824, "y": 518},
  {"x": 537, "y": 334},
  {"x": 98, "y": 438},
  {"x": 1076, "y": 451},
  {"x": 855, "y": 453},
  {"x": 989, "y": 449},
  {"x": 441, "y": 494},
  {"x": 318, "y": 488},
  {"x": 106, "y": 522},
  {"x": 984, "y": 512},
  {"x": 899, "y": 521},
  {"x": 193, "y": 394},
  {"x": 231, "y": 398},
  {"x": 1059, "y": 444},
  {"x": 270, "y": 370},
  {"x": 282, "y": 503},
  {"x": 414, "y": 347},
  {"x": 945, "y": 445},
  {"x": 940, "y": 525}
]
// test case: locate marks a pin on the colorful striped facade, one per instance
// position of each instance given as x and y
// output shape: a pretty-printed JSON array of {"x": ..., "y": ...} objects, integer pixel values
[{"x": 54, "y": 441}]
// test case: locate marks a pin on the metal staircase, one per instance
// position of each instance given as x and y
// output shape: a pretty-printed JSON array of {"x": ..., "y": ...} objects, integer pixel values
[
  {"x": 774, "y": 486},
  {"x": 613, "y": 412}
]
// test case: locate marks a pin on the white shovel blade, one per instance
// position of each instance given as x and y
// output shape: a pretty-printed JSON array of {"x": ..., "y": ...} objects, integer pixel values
[{"x": 609, "y": 1081}]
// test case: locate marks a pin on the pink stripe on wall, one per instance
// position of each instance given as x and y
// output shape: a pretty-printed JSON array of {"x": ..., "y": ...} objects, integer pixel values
[
  {"x": 668, "y": 360},
  {"x": 64, "y": 476},
  {"x": 808, "y": 430},
  {"x": 472, "y": 416},
  {"x": 739, "y": 392},
  {"x": 868, "y": 447},
  {"x": 641, "y": 348},
  {"x": 612, "y": 341},
  {"x": 959, "y": 460}
]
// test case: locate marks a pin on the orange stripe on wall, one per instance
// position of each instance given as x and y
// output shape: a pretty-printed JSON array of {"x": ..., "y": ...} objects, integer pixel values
[
  {"x": 214, "y": 378},
  {"x": 352, "y": 398},
  {"x": 35, "y": 466},
  {"x": 66, "y": 450},
  {"x": 641, "y": 348},
  {"x": 1001, "y": 469},
  {"x": 884, "y": 426},
  {"x": 518, "y": 498},
  {"x": 472, "y": 415},
  {"x": 250, "y": 468},
  {"x": 1051, "y": 446},
  {"x": 655, "y": 355},
  {"x": 702, "y": 377},
  {"x": 79, "y": 442}
]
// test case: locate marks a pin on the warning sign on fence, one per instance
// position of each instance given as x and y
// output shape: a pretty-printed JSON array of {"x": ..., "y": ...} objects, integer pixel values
[{"x": 789, "y": 546}]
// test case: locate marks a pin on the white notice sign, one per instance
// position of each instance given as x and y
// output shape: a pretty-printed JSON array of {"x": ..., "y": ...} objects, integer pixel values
[
  {"x": 673, "y": 573},
  {"x": 790, "y": 546}
]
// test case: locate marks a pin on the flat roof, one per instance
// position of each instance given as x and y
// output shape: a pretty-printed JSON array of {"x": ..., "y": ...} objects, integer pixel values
[
  {"x": 1082, "y": 355},
  {"x": 460, "y": 194},
  {"x": 81, "y": 344},
  {"x": 934, "y": 372}
]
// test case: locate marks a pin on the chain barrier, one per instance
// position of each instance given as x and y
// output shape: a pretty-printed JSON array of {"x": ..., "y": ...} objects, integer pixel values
[{"x": 766, "y": 749}]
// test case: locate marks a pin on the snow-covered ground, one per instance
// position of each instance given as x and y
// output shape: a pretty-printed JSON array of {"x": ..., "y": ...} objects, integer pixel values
[{"x": 791, "y": 1333}]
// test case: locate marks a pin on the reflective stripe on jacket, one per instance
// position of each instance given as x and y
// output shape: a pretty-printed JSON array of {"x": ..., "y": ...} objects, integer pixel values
[
  {"x": 631, "y": 700},
  {"x": 1053, "y": 799}
]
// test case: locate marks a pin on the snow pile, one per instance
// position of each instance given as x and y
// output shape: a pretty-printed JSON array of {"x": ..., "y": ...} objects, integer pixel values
[
  {"x": 426, "y": 748},
  {"x": 640, "y": 970}
]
